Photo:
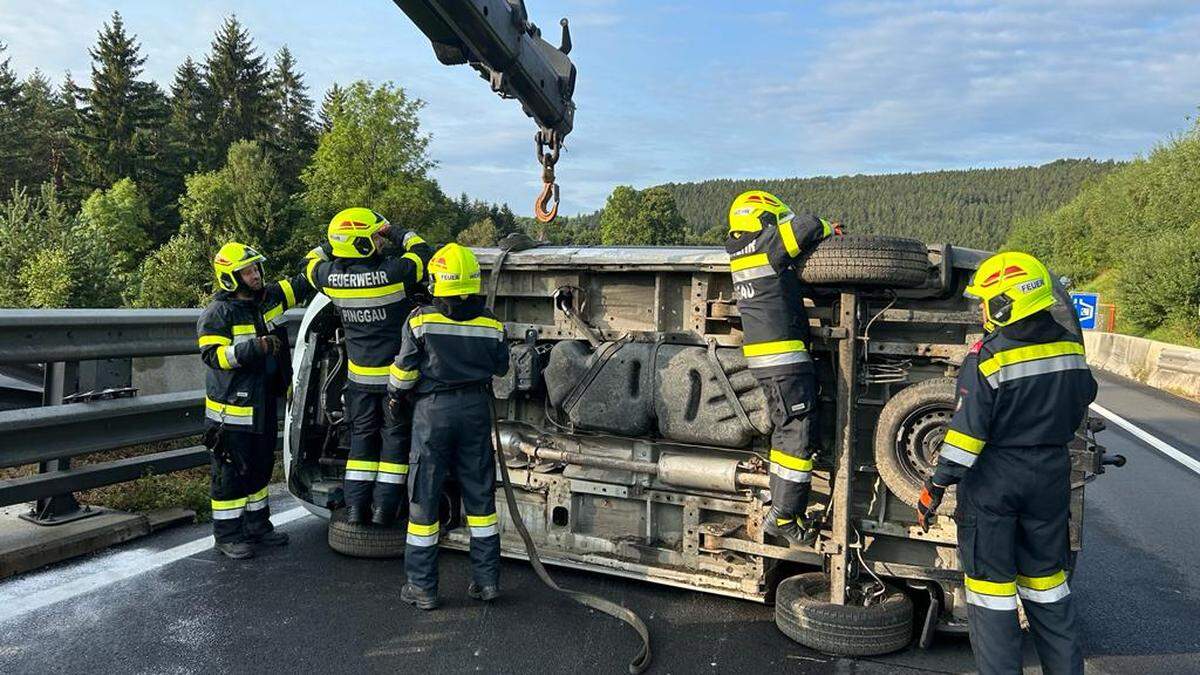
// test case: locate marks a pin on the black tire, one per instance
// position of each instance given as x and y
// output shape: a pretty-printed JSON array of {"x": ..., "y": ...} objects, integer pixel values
[
  {"x": 366, "y": 541},
  {"x": 908, "y": 437},
  {"x": 866, "y": 260},
  {"x": 803, "y": 612}
]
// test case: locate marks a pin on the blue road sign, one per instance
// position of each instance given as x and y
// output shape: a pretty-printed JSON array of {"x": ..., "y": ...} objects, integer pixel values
[{"x": 1087, "y": 306}]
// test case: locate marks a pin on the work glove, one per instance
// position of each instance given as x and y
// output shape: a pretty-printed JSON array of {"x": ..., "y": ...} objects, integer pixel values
[
  {"x": 927, "y": 504},
  {"x": 269, "y": 344},
  {"x": 838, "y": 230}
]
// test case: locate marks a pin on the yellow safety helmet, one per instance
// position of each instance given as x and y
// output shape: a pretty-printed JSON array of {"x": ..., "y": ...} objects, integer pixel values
[
  {"x": 351, "y": 230},
  {"x": 1012, "y": 286},
  {"x": 231, "y": 258},
  {"x": 454, "y": 271},
  {"x": 753, "y": 210}
]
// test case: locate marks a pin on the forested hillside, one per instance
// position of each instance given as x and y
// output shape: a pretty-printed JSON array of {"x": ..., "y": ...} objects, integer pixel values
[
  {"x": 971, "y": 208},
  {"x": 1133, "y": 235}
]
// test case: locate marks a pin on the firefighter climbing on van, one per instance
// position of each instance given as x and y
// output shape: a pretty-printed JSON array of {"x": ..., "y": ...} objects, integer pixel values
[
  {"x": 244, "y": 342},
  {"x": 370, "y": 289},
  {"x": 451, "y": 350},
  {"x": 765, "y": 238},
  {"x": 1022, "y": 392}
]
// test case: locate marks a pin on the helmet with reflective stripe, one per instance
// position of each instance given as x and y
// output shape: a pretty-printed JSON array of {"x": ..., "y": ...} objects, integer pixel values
[
  {"x": 756, "y": 209},
  {"x": 351, "y": 230},
  {"x": 454, "y": 271},
  {"x": 1012, "y": 286},
  {"x": 231, "y": 258}
]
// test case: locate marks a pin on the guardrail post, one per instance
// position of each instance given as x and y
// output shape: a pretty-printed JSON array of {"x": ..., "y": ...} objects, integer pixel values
[{"x": 62, "y": 508}]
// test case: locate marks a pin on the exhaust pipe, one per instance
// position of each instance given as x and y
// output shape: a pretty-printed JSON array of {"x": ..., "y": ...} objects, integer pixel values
[{"x": 700, "y": 472}]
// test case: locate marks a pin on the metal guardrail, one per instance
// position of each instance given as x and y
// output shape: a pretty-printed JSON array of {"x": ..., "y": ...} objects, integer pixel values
[{"x": 52, "y": 434}]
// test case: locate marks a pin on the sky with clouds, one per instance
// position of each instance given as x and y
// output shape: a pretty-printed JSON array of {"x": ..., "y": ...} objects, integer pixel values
[{"x": 673, "y": 91}]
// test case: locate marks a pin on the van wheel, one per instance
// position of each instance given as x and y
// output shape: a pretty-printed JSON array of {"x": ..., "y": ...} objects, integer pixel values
[
  {"x": 366, "y": 541},
  {"x": 866, "y": 260},
  {"x": 908, "y": 438},
  {"x": 803, "y": 612}
]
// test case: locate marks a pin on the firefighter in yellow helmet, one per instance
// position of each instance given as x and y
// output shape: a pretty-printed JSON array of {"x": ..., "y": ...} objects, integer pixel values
[
  {"x": 1023, "y": 391},
  {"x": 451, "y": 350},
  {"x": 370, "y": 282},
  {"x": 765, "y": 238},
  {"x": 243, "y": 341}
]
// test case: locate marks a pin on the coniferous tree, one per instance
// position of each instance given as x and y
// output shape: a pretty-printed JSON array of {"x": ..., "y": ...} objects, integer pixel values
[
  {"x": 335, "y": 98},
  {"x": 13, "y": 138},
  {"x": 120, "y": 120},
  {"x": 46, "y": 124},
  {"x": 236, "y": 77},
  {"x": 293, "y": 138},
  {"x": 187, "y": 125}
]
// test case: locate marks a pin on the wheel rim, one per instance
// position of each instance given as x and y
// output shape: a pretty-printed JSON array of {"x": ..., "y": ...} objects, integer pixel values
[{"x": 919, "y": 440}]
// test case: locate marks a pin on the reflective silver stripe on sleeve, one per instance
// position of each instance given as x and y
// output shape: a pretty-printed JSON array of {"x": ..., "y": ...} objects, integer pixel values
[
  {"x": 240, "y": 420},
  {"x": 392, "y": 478},
  {"x": 1054, "y": 364},
  {"x": 791, "y": 475},
  {"x": 752, "y": 273},
  {"x": 998, "y": 602},
  {"x": 485, "y": 531},
  {"x": 397, "y": 383},
  {"x": 958, "y": 455},
  {"x": 771, "y": 360},
  {"x": 227, "y": 514},
  {"x": 1049, "y": 595},
  {"x": 243, "y": 337},
  {"x": 431, "y": 328},
  {"x": 355, "y": 474},
  {"x": 379, "y": 301},
  {"x": 231, "y": 354},
  {"x": 256, "y": 506},
  {"x": 423, "y": 540}
]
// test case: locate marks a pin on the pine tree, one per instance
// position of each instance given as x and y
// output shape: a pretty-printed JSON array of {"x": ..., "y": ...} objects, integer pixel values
[
  {"x": 293, "y": 138},
  {"x": 120, "y": 118},
  {"x": 13, "y": 139},
  {"x": 187, "y": 125},
  {"x": 236, "y": 76},
  {"x": 335, "y": 98},
  {"x": 46, "y": 124}
]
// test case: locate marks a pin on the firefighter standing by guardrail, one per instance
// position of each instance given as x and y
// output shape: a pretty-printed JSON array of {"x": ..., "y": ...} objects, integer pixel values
[
  {"x": 243, "y": 341},
  {"x": 451, "y": 351},
  {"x": 370, "y": 290},
  {"x": 1022, "y": 392},
  {"x": 765, "y": 238}
]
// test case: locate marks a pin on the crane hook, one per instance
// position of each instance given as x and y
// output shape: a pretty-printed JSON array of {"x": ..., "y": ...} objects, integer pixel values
[{"x": 545, "y": 208}]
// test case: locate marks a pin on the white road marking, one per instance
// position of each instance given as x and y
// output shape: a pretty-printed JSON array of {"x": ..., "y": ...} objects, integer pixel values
[
  {"x": 1151, "y": 440},
  {"x": 17, "y": 604}
]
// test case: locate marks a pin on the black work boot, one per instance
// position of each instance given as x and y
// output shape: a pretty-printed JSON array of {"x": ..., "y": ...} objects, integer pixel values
[
  {"x": 791, "y": 530},
  {"x": 356, "y": 515},
  {"x": 418, "y": 598},
  {"x": 483, "y": 593},
  {"x": 272, "y": 538},
  {"x": 382, "y": 516},
  {"x": 238, "y": 550}
]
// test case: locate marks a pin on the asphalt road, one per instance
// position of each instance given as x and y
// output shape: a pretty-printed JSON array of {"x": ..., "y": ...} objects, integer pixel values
[{"x": 158, "y": 606}]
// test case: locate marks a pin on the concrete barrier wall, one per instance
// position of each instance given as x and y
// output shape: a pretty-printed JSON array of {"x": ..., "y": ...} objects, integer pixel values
[{"x": 1158, "y": 364}]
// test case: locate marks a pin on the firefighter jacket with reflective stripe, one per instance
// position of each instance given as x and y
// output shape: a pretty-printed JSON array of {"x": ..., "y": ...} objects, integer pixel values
[
  {"x": 448, "y": 347},
  {"x": 372, "y": 301},
  {"x": 1024, "y": 385},
  {"x": 240, "y": 378},
  {"x": 774, "y": 321}
]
